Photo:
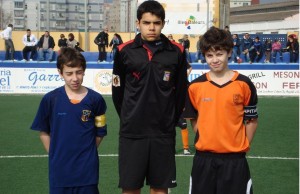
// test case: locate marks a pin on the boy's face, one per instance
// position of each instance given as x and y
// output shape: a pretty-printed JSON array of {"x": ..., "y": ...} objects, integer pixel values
[
  {"x": 150, "y": 27},
  {"x": 217, "y": 60},
  {"x": 73, "y": 77}
]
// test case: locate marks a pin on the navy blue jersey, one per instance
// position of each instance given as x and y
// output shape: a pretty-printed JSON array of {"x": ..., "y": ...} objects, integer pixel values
[{"x": 73, "y": 156}]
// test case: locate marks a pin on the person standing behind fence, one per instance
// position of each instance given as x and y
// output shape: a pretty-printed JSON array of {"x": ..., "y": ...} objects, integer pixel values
[
  {"x": 267, "y": 50},
  {"x": 247, "y": 46},
  {"x": 114, "y": 43},
  {"x": 293, "y": 48},
  {"x": 9, "y": 45},
  {"x": 102, "y": 41},
  {"x": 46, "y": 44},
  {"x": 30, "y": 41}
]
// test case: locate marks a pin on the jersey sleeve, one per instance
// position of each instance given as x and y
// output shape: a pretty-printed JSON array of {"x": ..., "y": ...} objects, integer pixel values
[
  {"x": 100, "y": 118},
  {"x": 118, "y": 82},
  {"x": 42, "y": 119},
  {"x": 250, "y": 109},
  {"x": 189, "y": 112},
  {"x": 181, "y": 86}
]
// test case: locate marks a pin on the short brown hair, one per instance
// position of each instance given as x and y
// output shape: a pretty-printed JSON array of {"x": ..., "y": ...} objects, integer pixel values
[
  {"x": 216, "y": 39},
  {"x": 71, "y": 58}
]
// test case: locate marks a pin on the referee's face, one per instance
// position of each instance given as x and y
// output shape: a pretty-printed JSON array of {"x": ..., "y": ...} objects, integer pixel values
[{"x": 150, "y": 26}]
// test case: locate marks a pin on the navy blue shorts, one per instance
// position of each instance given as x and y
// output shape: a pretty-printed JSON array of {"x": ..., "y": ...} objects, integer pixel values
[
  {"x": 152, "y": 159},
  {"x": 214, "y": 173},
  {"x": 90, "y": 189}
]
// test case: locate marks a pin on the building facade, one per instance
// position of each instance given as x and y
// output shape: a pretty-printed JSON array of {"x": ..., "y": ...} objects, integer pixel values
[{"x": 55, "y": 15}]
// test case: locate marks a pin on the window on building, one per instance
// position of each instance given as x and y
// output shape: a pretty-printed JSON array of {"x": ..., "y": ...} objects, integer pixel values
[{"x": 19, "y": 4}]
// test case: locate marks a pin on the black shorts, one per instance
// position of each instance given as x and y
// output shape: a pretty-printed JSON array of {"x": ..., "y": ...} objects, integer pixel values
[
  {"x": 152, "y": 159},
  {"x": 220, "y": 174}
]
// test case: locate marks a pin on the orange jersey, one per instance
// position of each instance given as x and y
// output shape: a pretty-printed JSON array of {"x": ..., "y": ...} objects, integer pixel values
[{"x": 221, "y": 111}]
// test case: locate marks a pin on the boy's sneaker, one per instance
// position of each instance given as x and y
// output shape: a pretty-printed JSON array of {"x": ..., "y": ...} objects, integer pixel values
[{"x": 186, "y": 152}]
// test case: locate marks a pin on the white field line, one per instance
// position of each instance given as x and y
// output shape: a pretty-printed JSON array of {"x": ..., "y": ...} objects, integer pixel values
[{"x": 178, "y": 155}]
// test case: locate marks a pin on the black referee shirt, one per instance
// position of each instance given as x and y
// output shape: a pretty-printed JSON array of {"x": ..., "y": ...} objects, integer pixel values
[{"x": 149, "y": 88}]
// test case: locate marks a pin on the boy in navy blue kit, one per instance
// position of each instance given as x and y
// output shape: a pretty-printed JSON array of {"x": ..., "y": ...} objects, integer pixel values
[
  {"x": 71, "y": 121},
  {"x": 149, "y": 87}
]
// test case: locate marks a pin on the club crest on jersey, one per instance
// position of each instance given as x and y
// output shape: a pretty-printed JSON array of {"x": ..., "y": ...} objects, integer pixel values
[
  {"x": 237, "y": 99},
  {"x": 116, "y": 80},
  {"x": 85, "y": 115},
  {"x": 167, "y": 76}
]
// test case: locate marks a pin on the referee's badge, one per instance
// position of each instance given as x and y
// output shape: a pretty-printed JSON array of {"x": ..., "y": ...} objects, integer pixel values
[
  {"x": 85, "y": 115},
  {"x": 167, "y": 76}
]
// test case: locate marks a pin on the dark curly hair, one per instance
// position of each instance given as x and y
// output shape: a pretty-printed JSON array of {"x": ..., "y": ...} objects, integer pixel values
[{"x": 216, "y": 39}]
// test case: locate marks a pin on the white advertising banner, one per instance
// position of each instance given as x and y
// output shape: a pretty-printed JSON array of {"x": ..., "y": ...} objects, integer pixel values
[
  {"x": 43, "y": 80},
  {"x": 185, "y": 23},
  {"x": 268, "y": 82}
]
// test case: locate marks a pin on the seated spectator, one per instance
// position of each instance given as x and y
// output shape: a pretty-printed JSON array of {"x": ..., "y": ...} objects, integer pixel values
[
  {"x": 293, "y": 48},
  {"x": 236, "y": 48},
  {"x": 46, "y": 45},
  {"x": 30, "y": 41},
  {"x": 268, "y": 49},
  {"x": 114, "y": 43},
  {"x": 276, "y": 48},
  {"x": 71, "y": 42},
  {"x": 62, "y": 43},
  {"x": 257, "y": 52},
  {"x": 247, "y": 46}
]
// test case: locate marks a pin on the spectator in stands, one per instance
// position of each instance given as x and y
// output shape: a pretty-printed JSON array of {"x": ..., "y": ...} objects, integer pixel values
[
  {"x": 6, "y": 34},
  {"x": 30, "y": 41},
  {"x": 46, "y": 44},
  {"x": 267, "y": 50},
  {"x": 62, "y": 43},
  {"x": 186, "y": 45},
  {"x": 71, "y": 42},
  {"x": 199, "y": 56},
  {"x": 102, "y": 41},
  {"x": 236, "y": 48},
  {"x": 114, "y": 43},
  {"x": 293, "y": 48},
  {"x": 247, "y": 46},
  {"x": 257, "y": 52},
  {"x": 227, "y": 29},
  {"x": 276, "y": 48},
  {"x": 170, "y": 37}
]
